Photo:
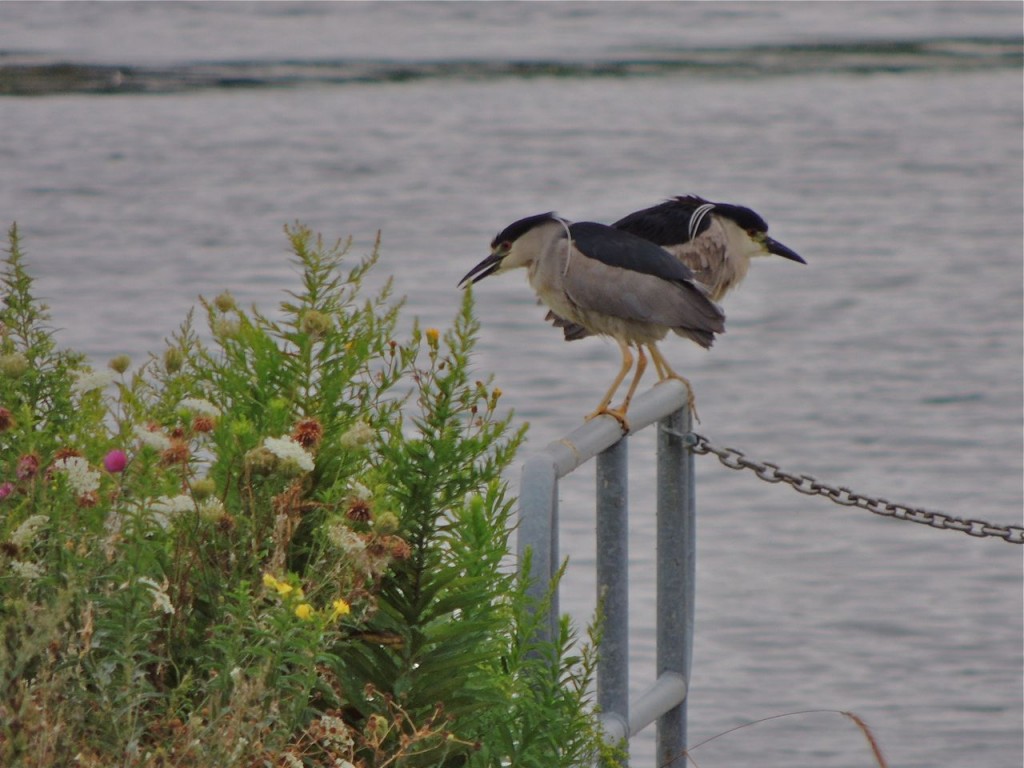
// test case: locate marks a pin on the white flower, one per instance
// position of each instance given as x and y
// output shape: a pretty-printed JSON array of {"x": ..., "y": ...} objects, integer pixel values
[
  {"x": 167, "y": 507},
  {"x": 150, "y": 439},
  {"x": 161, "y": 600},
  {"x": 29, "y": 571},
  {"x": 288, "y": 450},
  {"x": 359, "y": 491},
  {"x": 80, "y": 477},
  {"x": 86, "y": 381},
  {"x": 358, "y": 435},
  {"x": 25, "y": 532},
  {"x": 211, "y": 508},
  {"x": 199, "y": 406},
  {"x": 291, "y": 760}
]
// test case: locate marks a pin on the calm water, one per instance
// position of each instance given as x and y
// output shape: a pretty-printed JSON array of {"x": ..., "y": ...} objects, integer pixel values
[{"x": 881, "y": 141}]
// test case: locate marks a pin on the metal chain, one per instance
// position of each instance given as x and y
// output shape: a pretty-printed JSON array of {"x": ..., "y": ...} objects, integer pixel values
[{"x": 772, "y": 473}]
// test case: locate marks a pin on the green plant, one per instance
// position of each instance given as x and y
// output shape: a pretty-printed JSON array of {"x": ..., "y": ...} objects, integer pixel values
[{"x": 283, "y": 541}]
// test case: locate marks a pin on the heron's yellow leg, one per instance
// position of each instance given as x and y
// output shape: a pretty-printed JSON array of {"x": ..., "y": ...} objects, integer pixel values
[
  {"x": 602, "y": 408},
  {"x": 641, "y": 366},
  {"x": 665, "y": 372}
]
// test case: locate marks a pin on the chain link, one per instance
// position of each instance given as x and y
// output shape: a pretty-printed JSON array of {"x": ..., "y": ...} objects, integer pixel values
[{"x": 772, "y": 473}]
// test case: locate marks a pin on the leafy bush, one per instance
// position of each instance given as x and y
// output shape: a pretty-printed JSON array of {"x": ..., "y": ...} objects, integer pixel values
[{"x": 281, "y": 542}]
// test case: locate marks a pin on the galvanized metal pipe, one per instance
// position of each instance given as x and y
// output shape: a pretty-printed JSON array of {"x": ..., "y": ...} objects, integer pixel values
[
  {"x": 676, "y": 573},
  {"x": 613, "y": 579}
]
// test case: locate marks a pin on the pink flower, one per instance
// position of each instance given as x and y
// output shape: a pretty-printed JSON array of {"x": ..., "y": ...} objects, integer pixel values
[
  {"x": 6, "y": 490},
  {"x": 115, "y": 461}
]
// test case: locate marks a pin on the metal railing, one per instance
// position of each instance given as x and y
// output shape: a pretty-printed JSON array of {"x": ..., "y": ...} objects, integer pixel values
[{"x": 665, "y": 700}]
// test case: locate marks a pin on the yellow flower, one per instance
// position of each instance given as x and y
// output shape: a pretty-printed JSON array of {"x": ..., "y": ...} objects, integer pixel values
[
  {"x": 432, "y": 336},
  {"x": 341, "y": 608},
  {"x": 304, "y": 611},
  {"x": 282, "y": 588}
]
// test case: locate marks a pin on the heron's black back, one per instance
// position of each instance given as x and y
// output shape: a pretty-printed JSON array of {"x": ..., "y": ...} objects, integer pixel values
[{"x": 625, "y": 250}]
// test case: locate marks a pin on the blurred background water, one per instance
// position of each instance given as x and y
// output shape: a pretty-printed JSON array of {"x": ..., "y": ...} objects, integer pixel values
[{"x": 152, "y": 152}]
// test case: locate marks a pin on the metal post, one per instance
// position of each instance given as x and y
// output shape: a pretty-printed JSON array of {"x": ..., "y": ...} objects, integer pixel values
[
  {"x": 538, "y": 533},
  {"x": 676, "y": 572},
  {"x": 613, "y": 582}
]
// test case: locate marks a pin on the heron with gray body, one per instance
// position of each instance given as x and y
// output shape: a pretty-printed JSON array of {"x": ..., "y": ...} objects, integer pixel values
[
  {"x": 715, "y": 240},
  {"x": 607, "y": 282}
]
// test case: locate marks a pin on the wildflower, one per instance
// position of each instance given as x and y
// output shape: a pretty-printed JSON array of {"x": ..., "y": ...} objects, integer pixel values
[
  {"x": 211, "y": 509},
  {"x": 226, "y": 327},
  {"x": 315, "y": 324},
  {"x": 282, "y": 588},
  {"x": 340, "y": 608},
  {"x": 291, "y": 453},
  {"x": 304, "y": 611},
  {"x": 386, "y": 522},
  {"x": 432, "y": 337},
  {"x": 173, "y": 359},
  {"x": 203, "y": 487},
  {"x": 346, "y": 540},
  {"x": 28, "y": 467},
  {"x": 27, "y": 571},
  {"x": 166, "y": 508},
  {"x": 161, "y": 600},
  {"x": 6, "y": 420},
  {"x": 358, "y": 435},
  {"x": 359, "y": 511},
  {"x": 6, "y": 490},
  {"x": 25, "y": 532},
  {"x": 14, "y": 365},
  {"x": 87, "y": 381},
  {"x": 120, "y": 363},
  {"x": 151, "y": 437},
  {"x": 225, "y": 302},
  {"x": 199, "y": 406},
  {"x": 359, "y": 491},
  {"x": 308, "y": 433},
  {"x": 82, "y": 479},
  {"x": 203, "y": 424},
  {"x": 400, "y": 549},
  {"x": 115, "y": 461},
  {"x": 175, "y": 453},
  {"x": 236, "y": 675},
  {"x": 292, "y": 761}
]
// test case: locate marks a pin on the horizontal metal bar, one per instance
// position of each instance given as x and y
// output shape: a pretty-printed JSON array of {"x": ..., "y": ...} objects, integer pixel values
[
  {"x": 598, "y": 434},
  {"x": 668, "y": 691}
]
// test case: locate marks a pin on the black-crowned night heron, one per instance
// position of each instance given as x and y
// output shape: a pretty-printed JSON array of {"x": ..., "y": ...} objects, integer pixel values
[
  {"x": 715, "y": 240},
  {"x": 608, "y": 282}
]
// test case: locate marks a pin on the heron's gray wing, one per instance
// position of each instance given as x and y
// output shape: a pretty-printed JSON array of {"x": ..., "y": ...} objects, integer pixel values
[{"x": 599, "y": 290}]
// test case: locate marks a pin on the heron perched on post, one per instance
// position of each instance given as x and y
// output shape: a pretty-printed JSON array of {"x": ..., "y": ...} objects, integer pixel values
[
  {"x": 608, "y": 282},
  {"x": 715, "y": 240}
]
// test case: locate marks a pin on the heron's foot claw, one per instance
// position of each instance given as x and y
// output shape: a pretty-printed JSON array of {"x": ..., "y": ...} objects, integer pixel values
[
  {"x": 618, "y": 415},
  {"x": 691, "y": 401}
]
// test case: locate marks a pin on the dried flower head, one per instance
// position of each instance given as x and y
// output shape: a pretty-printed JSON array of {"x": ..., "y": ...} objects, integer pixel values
[
  {"x": 308, "y": 433},
  {"x": 6, "y": 420},
  {"x": 203, "y": 424},
  {"x": 359, "y": 511},
  {"x": 119, "y": 363},
  {"x": 176, "y": 453},
  {"x": 400, "y": 549},
  {"x": 28, "y": 467}
]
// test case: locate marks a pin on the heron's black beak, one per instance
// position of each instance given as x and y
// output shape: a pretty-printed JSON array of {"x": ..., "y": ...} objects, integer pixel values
[
  {"x": 774, "y": 246},
  {"x": 488, "y": 266}
]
